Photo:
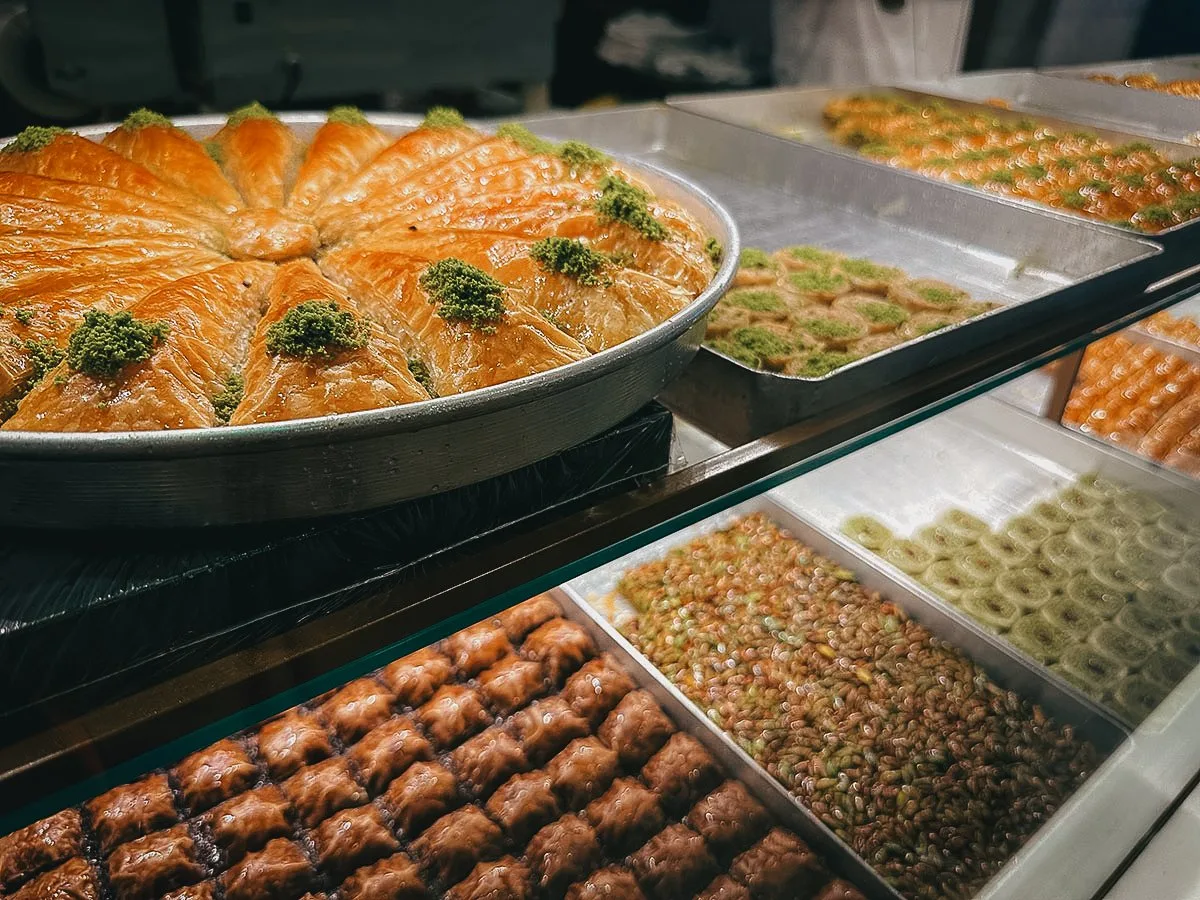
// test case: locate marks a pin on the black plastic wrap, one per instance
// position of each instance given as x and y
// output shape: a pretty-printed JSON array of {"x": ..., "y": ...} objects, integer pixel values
[{"x": 87, "y": 618}]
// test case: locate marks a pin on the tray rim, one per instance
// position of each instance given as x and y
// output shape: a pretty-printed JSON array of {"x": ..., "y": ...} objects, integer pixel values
[{"x": 267, "y": 437}]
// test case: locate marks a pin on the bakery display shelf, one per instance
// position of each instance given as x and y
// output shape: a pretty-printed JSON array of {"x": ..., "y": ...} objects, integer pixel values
[
  {"x": 309, "y": 468},
  {"x": 798, "y": 114},
  {"x": 1150, "y": 113},
  {"x": 517, "y": 560},
  {"x": 1008, "y": 669},
  {"x": 1187, "y": 309},
  {"x": 780, "y": 193}
]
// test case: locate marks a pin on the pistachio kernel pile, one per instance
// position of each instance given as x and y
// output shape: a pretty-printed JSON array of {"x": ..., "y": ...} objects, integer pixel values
[{"x": 895, "y": 740}]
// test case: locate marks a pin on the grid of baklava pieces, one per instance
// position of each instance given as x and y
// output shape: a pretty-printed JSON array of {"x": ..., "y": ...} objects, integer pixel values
[{"x": 510, "y": 761}]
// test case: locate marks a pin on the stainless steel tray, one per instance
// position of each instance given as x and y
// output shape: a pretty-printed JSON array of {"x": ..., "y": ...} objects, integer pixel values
[
  {"x": 798, "y": 114},
  {"x": 736, "y": 763},
  {"x": 346, "y": 463},
  {"x": 782, "y": 193},
  {"x": 1004, "y": 665},
  {"x": 993, "y": 460},
  {"x": 1102, "y": 105},
  {"x": 1165, "y": 67}
]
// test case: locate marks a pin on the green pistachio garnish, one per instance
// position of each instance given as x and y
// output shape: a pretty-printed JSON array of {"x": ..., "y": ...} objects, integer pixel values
[
  {"x": 761, "y": 342},
  {"x": 43, "y": 356},
  {"x": 421, "y": 373},
  {"x": 253, "y": 110},
  {"x": 736, "y": 352},
  {"x": 814, "y": 255},
  {"x": 622, "y": 202},
  {"x": 1074, "y": 200},
  {"x": 526, "y": 138},
  {"x": 756, "y": 300},
  {"x": 571, "y": 257},
  {"x": 35, "y": 137},
  {"x": 24, "y": 315},
  {"x": 753, "y": 258},
  {"x": 215, "y": 152},
  {"x": 316, "y": 328},
  {"x": 226, "y": 400},
  {"x": 940, "y": 296},
  {"x": 714, "y": 250},
  {"x": 145, "y": 118},
  {"x": 822, "y": 363},
  {"x": 347, "y": 115},
  {"x": 578, "y": 155},
  {"x": 864, "y": 268},
  {"x": 882, "y": 313},
  {"x": 814, "y": 280},
  {"x": 830, "y": 329},
  {"x": 464, "y": 293},
  {"x": 107, "y": 342},
  {"x": 443, "y": 117}
]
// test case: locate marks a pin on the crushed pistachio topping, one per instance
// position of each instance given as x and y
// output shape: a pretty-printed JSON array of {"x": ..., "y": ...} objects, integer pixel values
[
  {"x": 881, "y": 313},
  {"x": 24, "y": 315},
  {"x": 316, "y": 328},
  {"x": 421, "y": 373},
  {"x": 525, "y": 138},
  {"x": 864, "y": 268},
  {"x": 253, "y": 110},
  {"x": 814, "y": 255},
  {"x": 714, "y": 250},
  {"x": 215, "y": 152},
  {"x": 1074, "y": 200},
  {"x": 464, "y": 293},
  {"x": 753, "y": 258},
  {"x": 145, "y": 118},
  {"x": 620, "y": 201},
  {"x": 226, "y": 400},
  {"x": 572, "y": 258},
  {"x": 43, "y": 356},
  {"x": 830, "y": 329},
  {"x": 443, "y": 117},
  {"x": 736, "y": 352},
  {"x": 813, "y": 280},
  {"x": 822, "y": 362},
  {"x": 347, "y": 115},
  {"x": 107, "y": 342},
  {"x": 940, "y": 296},
  {"x": 578, "y": 154},
  {"x": 761, "y": 341},
  {"x": 756, "y": 300},
  {"x": 35, "y": 137},
  {"x": 935, "y": 326}
]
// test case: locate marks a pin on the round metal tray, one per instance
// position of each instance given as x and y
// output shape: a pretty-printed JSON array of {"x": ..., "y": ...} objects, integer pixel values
[{"x": 309, "y": 468}]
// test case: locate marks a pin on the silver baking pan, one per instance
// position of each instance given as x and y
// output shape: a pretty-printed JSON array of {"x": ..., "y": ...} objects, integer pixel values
[
  {"x": 781, "y": 193},
  {"x": 1005, "y": 666},
  {"x": 1190, "y": 309},
  {"x": 1165, "y": 67},
  {"x": 993, "y": 460},
  {"x": 736, "y": 763},
  {"x": 797, "y": 113},
  {"x": 341, "y": 464},
  {"x": 1148, "y": 113}
]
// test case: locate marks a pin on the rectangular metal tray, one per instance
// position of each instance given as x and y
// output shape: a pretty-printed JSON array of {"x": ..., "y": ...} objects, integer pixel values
[
  {"x": 1003, "y": 664},
  {"x": 736, "y": 763},
  {"x": 1150, "y": 113},
  {"x": 780, "y": 192},
  {"x": 1165, "y": 67},
  {"x": 993, "y": 460},
  {"x": 798, "y": 114}
]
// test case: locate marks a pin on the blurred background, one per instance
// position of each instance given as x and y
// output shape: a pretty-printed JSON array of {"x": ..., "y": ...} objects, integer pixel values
[{"x": 77, "y": 61}]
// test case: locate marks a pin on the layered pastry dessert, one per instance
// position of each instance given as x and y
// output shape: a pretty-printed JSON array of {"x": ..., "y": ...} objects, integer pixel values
[
  {"x": 1099, "y": 581},
  {"x": 154, "y": 281},
  {"x": 508, "y": 761},
  {"x": 1148, "y": 81},
  {"x": 895, "y": 740},
  {"x": 1140, "y": 397},
  {"x": 808, "y": 311},
  {"x": 1131, "y": 185}
]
